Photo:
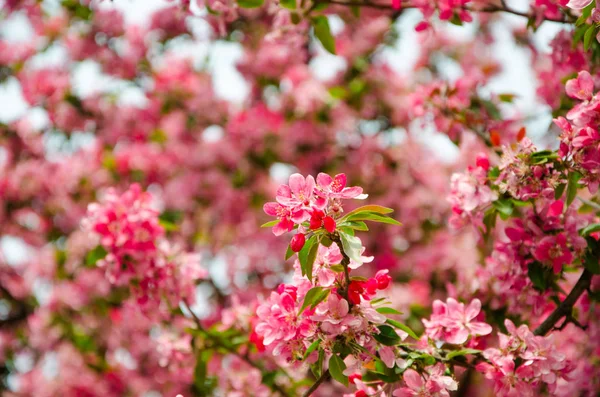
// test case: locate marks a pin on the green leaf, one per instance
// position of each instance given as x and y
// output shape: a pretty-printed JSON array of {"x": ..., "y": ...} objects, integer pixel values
[
  {"x": 95, "y": 255},
  {"x": 543, "y": 156},
  {"x": 494, "y": 173},
  {"x": 202, "y": 384},
  {"x": 492, "y": 109},
  {"x": 317, "y": 368},
  {"x": 594, "y": 227},
  {"x": 403, "y": 327},
  {"x": 540, "y": 275},
  {"x": 313, "y": 346},
  {"x": 270, "y": 224},
  {"x": 370, "y": 208},
  {"x": 560, "y": 189},
  {"x": 508, "y": 98},
  {"x": 356, "y": 225},
  {"x": 590, "y": 259},
  {"x": 337, "y": 368},
  {"x": 352, "y": 247},
  {"x": 505, "y": 207},
  {"x": 289, "y": 4},
  {"x": 167, "y": 225},
  {"x": 462, "y": 352},
  {"x": 387, "y": 336},
  {"x": 289, "y": 253},
  {"x": 307, "y": 256},
  {"x": 250, "y": 3},
  {"x": 313, "y": 297},
  {"x": 587, "y": 37},
  {"x": 387, "y": 310},
  {"x": 323, "y": 33},
  {"x": 371, "y": 216},
  {"x": 489, "y": 219},
  {"x": 572, "y": 187}
]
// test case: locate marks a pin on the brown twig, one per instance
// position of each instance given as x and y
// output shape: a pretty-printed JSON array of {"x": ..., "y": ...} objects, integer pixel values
[
  {"x": 324, "y": 377},
  {"x": 566, "y": 307},
  {"x": 490, "y": 9}
]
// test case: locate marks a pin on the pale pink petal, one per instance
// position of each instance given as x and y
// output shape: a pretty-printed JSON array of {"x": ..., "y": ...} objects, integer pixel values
[
  {"x": 324, "y": 180},
  {"x": 297, "y": 183},
  {"x": 413, "y": 379},
  {"x": 271, "y": 208},
  {"x": 479, "y": 328},
  {"x": 388, "y": 356},
  {"x": 578, "y": 4},
  {"x": 473, "y": 309}
]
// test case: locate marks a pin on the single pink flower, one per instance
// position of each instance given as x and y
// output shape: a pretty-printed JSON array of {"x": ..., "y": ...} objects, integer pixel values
[
  {"x": 581, "y": 87},
  {"x": 336, "y": 187},
  {"x": 553, "y": 250},
  {"x": 284, "y": 214}
]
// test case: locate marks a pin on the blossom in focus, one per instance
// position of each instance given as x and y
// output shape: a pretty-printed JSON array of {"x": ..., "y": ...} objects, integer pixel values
[{"x": 452, "y": 322}]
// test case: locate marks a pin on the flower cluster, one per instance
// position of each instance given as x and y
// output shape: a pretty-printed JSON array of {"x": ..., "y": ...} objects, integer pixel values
[
  {"x": 580, "y": 140},
  {"x": 303, "y": 199},
  {"x": 452, "y": 322},
  {"x": 522, "y": 360},
  {"x": 470, "y": 194},
  {"x": 135, "y": 250}
]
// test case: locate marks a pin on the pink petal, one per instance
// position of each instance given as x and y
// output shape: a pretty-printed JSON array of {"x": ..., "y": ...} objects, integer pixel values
[
  {"x": 578, "y": 4},
  {"x": 387, "y": 355},
  {"x": 340, "y": 180},
  {"x": 556, "y": 208},
  {"x": 324, "y": 180},
  {"x": 271, "y": 208},
  {"x": 351, "y": 192},
  {"x": 458, "y": 337},
  {"x": 479, "y": 328},
  {"x": 473, "y": 309},
  {"x": 297, "y": 183},
  {"x": 413, "y": 379}
]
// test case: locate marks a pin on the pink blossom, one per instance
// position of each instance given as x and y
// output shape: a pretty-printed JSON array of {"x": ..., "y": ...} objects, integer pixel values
[
  {"x": 581, "y": 87},
  {"x": 453, "y": 323},
  {"x": 284, "y": 214},
  {"x": 335, "y": 187},
  {"x": 553, "y": 250}
]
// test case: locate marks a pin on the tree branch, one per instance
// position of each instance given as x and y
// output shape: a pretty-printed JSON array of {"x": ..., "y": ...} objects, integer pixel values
[
  {"x": 565, "y": 308},
  {"x": 489, "y": 9},
  {"x": 324, "y": 376}
]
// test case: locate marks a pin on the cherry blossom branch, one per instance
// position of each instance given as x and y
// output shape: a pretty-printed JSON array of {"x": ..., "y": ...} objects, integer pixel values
[
  {"x": 344, "y": 292},
  {"x": 566, "y": 306},
  {"x": 489, "y": 9}
]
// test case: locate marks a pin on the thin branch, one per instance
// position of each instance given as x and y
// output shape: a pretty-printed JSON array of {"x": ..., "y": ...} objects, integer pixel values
[
  {"x": 490, "y": 9},
  {"x": 590, "y": 203},
  {"x": 324, "y": 377},
  {"x": 566, "y": 307}
]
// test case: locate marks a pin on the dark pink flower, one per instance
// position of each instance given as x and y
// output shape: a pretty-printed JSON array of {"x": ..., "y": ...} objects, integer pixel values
[{"x": 553, "y": 250}]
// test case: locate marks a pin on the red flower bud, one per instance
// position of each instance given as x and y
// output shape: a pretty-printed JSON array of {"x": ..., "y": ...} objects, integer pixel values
[
  {"x": 361, "y": 393},
  {"x": 354, "y": 377},
  {"x": 483, "y": 161},
  {"x": 315, "y": 222},
  {"x": 329, "y": 224},
  {"x": 297, "y": 242},
  {"x": 383, "y": 281}
]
